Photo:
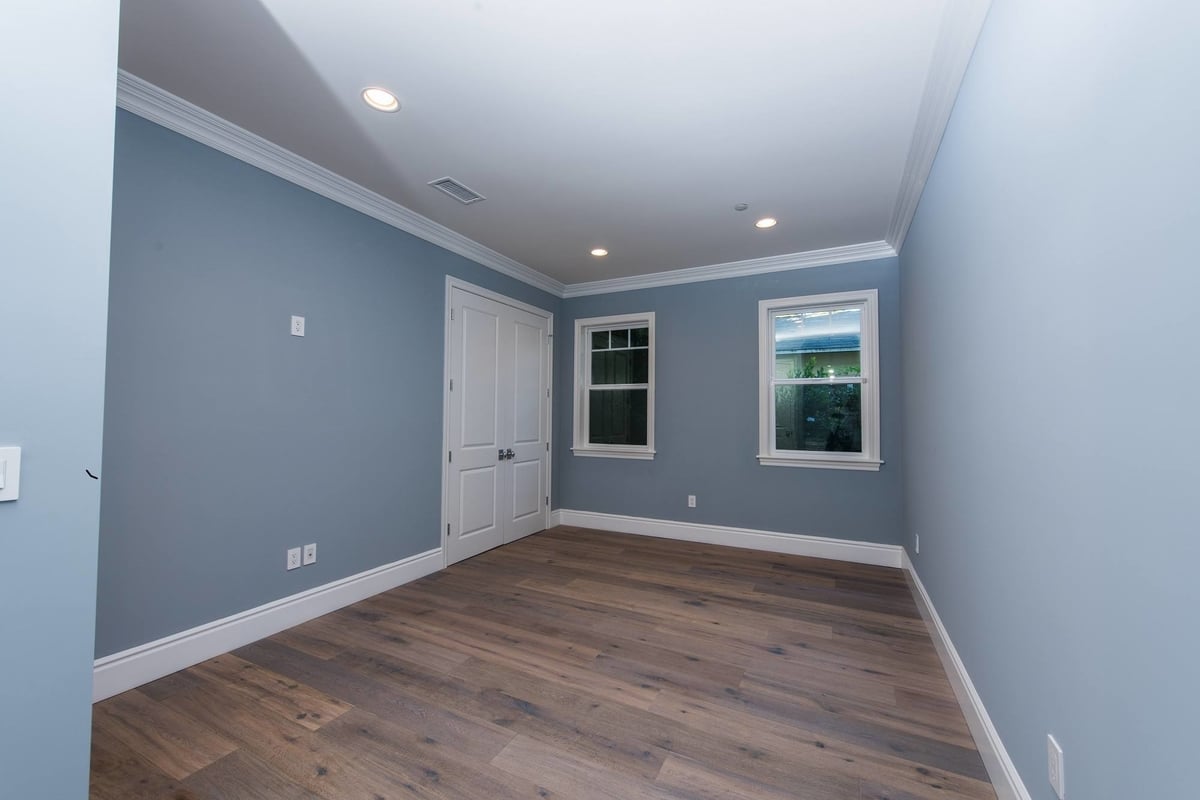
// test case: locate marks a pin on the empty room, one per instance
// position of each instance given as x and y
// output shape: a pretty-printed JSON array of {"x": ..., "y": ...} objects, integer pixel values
[{"x": 599, "y": 400}]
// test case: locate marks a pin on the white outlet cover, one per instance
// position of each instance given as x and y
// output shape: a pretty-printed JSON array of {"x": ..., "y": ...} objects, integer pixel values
[
  {"x": 297, "y": 326},
  {"x": 1054, "y": 758},
  {"x": 10, "y": 472},
  {"x": 293, "y": 558}
]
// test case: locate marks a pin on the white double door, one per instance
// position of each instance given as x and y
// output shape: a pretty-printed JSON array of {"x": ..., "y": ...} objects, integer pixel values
[{"x": 498, "y": 414}]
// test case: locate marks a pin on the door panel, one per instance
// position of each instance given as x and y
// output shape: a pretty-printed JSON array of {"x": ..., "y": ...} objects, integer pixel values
[
  {"x": 528, "y": 363},
  {"x": 477, "y": 501},
  {"x": 498, "y": 364},
  {"x": 479, "y": 381},
  {"x": 527, "y": 489}
]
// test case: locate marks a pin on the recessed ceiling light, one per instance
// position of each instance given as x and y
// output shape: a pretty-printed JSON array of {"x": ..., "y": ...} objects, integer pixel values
[
  {"x": 599, "y": 252},
  {"x": 380, "y": 99},
  {"x": 766, "y": 222}
]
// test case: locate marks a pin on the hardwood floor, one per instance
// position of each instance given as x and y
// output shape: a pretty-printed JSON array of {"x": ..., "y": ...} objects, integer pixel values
[{"x": 573, "y": 664}]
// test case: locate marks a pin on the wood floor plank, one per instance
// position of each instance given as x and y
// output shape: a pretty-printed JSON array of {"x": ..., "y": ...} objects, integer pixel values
[
  {"x": 572, "y": 776},
  {"x": 242, "y": 775},
  {"x": 789, "y": 750},
  {"x": 789, "y": 703},
  {"x": 572, "y": 664},
  {"x": 118, "y": 773},
  {"x": 477, "y": 737},
  {"x": 574, "y": 722},
  {"x": 428, "y": 767},
  {"x": 271, "y": 691},
  {"x": 703, "y": 782},
  {"x": 382, "y": 635},
  {"x": 177, "y": 745},
  {"x": 237, "y": 717}
]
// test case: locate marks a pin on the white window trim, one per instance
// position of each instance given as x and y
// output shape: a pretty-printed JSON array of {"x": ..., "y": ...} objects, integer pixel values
[
  {"x": 583, "y": 328},
  {"x": 767, "y": 454}
]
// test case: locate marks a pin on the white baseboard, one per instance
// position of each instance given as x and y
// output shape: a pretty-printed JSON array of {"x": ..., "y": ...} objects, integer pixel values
[
  {"x": 130, "y": 668},
  {"x": 556, "y": 518},
  {"x": 1000, "y": 768},
  {"x": 881, "y": 555}
]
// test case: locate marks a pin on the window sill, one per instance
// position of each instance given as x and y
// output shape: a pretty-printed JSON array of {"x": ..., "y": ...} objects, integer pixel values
[
  {"x": 811, "y": 462},
  {"x": 600, "y": 452}
]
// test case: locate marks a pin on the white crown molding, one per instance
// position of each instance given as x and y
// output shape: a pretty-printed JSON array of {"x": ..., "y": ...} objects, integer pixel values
[
  {"x": 866, "y": 251},
  {"x": 1003, "y": 773},
  {"x": 962, "y": 21},
  {"x": 160, "y": 106},
  {"x": 880, "y": 555},
  {"x": 138, "y": 665}
]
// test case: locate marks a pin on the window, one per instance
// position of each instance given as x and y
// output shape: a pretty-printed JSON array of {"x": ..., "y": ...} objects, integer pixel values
[
  {"x": 818, "y": 381},
  {"x": 614, "y": 386}
]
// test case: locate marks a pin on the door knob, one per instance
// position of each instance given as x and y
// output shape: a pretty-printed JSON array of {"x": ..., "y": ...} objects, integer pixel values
[
  {"x": 500, "y": 455},
  {"x": 509, "y": 454}
]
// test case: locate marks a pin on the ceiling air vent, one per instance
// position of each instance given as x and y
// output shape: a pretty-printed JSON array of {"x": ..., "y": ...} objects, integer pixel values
[{"x": 456, "y": 190}]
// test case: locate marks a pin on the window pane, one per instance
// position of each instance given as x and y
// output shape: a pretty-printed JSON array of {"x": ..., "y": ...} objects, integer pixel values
[
  {"x": 640, "y": 365},
  {"x": 620, "y": 366},
  {"x": 639, "y": 337},
  {"x": 620, "y": 338},
  {"x": 819, "y": 343},
  {"x": 617, "y": 416},
  {"x": 610, "y": 367},
  {"x": 599, "y": 340},
  {"x": 819, "y": 418}
]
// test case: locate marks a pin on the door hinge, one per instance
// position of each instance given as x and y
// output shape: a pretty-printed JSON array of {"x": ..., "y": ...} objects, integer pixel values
[
  {"x": 447, "y": 529},
  {"x": 547, "y": 447},
  {"x": 450, "y": 457},
  {"x": 452, "y": 384},
  {"x": 547, "y": 499},
  {"x": 547, "y": 391},
  {"x": 452, "y": 314}
]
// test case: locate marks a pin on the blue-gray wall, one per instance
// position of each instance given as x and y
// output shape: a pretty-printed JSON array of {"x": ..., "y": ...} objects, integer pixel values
[
  {"x": 706, "y": 414},
  {"x": 55, "y": 196},
  {"x": 1051, "y": 416},
  {"x": 228, "y": 440}
]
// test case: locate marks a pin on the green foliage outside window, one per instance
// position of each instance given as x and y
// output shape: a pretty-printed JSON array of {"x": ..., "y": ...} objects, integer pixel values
[{"x": 820, "y": 417}]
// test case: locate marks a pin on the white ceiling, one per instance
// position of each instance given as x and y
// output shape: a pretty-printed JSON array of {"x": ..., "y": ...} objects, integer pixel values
[{"x": 634, "y": 125}]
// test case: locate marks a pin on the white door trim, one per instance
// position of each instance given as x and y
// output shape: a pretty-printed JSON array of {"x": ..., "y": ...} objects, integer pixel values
[{"x": 458, "y": 283}]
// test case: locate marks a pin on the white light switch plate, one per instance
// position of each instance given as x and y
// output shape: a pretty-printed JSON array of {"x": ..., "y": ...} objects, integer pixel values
[
  {"x": 10, "y": 473},
  {"x": 1055, "y": 757}
]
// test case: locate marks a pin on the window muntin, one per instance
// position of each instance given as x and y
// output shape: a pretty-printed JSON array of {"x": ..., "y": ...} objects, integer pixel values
[
  {"x": 614, "y": 396},
  {"x": 819, "y": 394}
]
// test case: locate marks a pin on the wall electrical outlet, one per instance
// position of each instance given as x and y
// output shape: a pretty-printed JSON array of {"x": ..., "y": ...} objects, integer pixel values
[
  {"x": 1055, "y": 758},
  {"x": 310, "y": 554},
  {"x": 691, "y": 501},
  {"x": 297, "y": 326},
  {"x": 293, "y": 558}
]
